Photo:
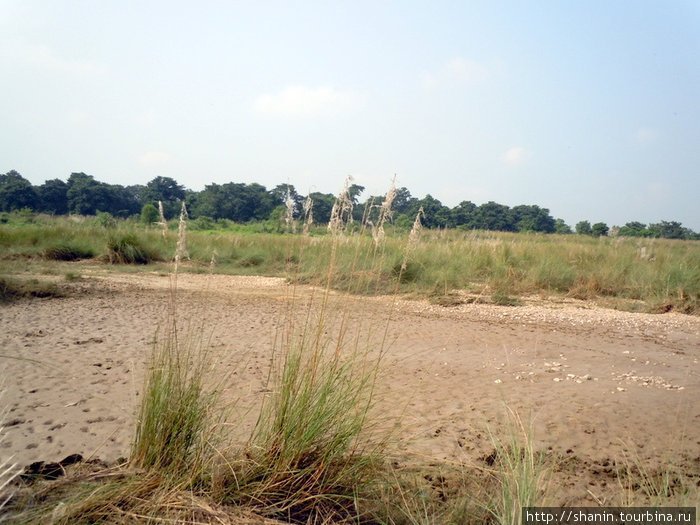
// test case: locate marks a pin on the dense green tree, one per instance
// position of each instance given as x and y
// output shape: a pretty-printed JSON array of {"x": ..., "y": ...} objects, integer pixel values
[
  {"x": 86, "y": 196},
  {"x": 164, "y": 189},
  {"x": 669, "y": 230},
  {"x": 561, "y": 227},
  {"x": 279, "y": 197},
  {"x": 436, "y": 215},
  {"x": 463, "y": 215},
  {"x": 532, "y": 218},
  {"x": 167, "y": 191},
  {"x": 137, "y": 193},
  {"x": 16, "y": 192},
  {"x": 323, "y": 205},
  {"x": 234, "y": 201},
  {"x": 634, "y": 229},
  {"x": 53, "y": 197},
  {"x": 599, "y": 229},
  {"x": 369, "y": 209},
  {"x": 354, "y": 192},
  {"x": 403, "y": 201},
  {"x": 493, "y": 216},
  {"x": 584, "y": 228}
]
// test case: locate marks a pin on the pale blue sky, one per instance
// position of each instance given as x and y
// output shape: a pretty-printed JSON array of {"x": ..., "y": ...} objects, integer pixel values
[{"x": 588, "y": 108}]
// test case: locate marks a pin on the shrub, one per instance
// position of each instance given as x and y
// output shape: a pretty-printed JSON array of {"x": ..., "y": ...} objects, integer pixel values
[
  {"x": 127, "y": 249},
  {"x": 407, "y": 272},
  {"x": 203, "y": 223},
  {"x": 149, "y": 214},
  {"x": 67, "y": 252}
]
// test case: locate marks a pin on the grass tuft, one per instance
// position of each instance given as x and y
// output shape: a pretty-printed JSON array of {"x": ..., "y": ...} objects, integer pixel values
[
  {"x": 67, "y": 252},
  {"x": 522, "y": 473},
  {"x": 176, "y": 408},
  {"x": 13, "y": 289},
  {"x": 128, "y": 249}
]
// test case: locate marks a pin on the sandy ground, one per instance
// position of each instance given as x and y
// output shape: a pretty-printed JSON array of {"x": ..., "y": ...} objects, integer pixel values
[{"x": 598, "y": 385}]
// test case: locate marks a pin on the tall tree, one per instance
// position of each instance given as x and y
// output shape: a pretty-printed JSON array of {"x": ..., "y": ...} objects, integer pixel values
[
  {"x": 669, "y": 230},
  {"x": 532, "y": 218},
  {"x": 53, "y": 197},
  {"x": 167, "y": 191},
  {"x": 584, "y": 228},
  {"x": 634, "y": 229},
  {"x": 403, "y": 201},
  {"x": 493, "y": 216},
  {"x": 561, "y": 227},
  {"x": 463, "y": 214},
  {"x": 16, "y": 192},
  {"x": 599, "y": 229},
  {"x": 323, "y": 205}
]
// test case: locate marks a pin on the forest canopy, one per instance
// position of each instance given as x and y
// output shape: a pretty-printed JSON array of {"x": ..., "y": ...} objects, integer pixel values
[{"x": 82, "y": 194}]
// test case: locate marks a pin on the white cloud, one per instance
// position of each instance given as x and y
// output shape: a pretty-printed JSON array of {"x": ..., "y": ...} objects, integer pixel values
[
  {"x": 516, "y": 156},
  {"x": 301, "y": 101},
  {"x": 154, "y": 158},
  {"x": 458, "y": 70}
]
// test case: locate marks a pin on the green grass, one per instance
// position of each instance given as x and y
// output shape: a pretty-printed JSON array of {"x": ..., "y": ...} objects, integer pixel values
[
  {"x": 653, "y": 275},
  {"x": 175, "y": 415},
  {"x": 312, "y": 453},
  {"x": 66, "y": 251},
  {"x": 659, "y": 274},
  {"x": 129, "y": 249},
  {"x": 521, "y": 471}
]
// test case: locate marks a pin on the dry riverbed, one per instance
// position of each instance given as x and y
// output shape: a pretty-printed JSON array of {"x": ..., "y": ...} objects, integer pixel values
[{"x": 600, "y": 387}]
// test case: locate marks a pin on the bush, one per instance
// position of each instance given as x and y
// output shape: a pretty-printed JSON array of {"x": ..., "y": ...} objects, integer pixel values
[
  {"x": 67, "y": 252},
  {"x": 202, "y": 223},
  {"x": 149, "y": 214},
  {"x": 406, "y": 273},
  {"x": 127, "y": 249},
  {"x": 106, "y": 219}
]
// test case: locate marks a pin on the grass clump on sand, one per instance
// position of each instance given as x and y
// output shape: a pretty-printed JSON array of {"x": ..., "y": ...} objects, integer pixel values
[
  {"x": 129, "y": 249},
  {"x": 13, "y": 289},
  {"x": 522, "y": 473},
  {"x": 65, "y": 251},
  {"x": 312, "y": 454},
  {"x": 176, "y": 409}
]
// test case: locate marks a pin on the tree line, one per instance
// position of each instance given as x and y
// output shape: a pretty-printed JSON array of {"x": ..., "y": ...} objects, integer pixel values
[{"x": 82, "y": 194}]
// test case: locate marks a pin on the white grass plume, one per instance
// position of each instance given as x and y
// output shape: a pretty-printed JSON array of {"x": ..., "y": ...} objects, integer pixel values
[
  {"x": 385, "y": 213},
  {"x": 341, "y": 214},
  {"x": 289, "y": 213},
  {"x": 308, "y": 209},
  {"x": 163, "y": 223},
  {"x": 413, "y": 237}
]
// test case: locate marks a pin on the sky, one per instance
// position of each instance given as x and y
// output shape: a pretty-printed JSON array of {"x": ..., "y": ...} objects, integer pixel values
[{"x": 590, "y": 109}]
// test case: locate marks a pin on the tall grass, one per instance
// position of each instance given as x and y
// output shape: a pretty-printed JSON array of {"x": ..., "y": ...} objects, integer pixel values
[
  {"x": 645, "y": 274},
  {"x": 314, "y": 453},
  {"x": 521, "y": 471},
  {"x": 175, "y": 413},
  {"x": 8, "y": 470}
]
